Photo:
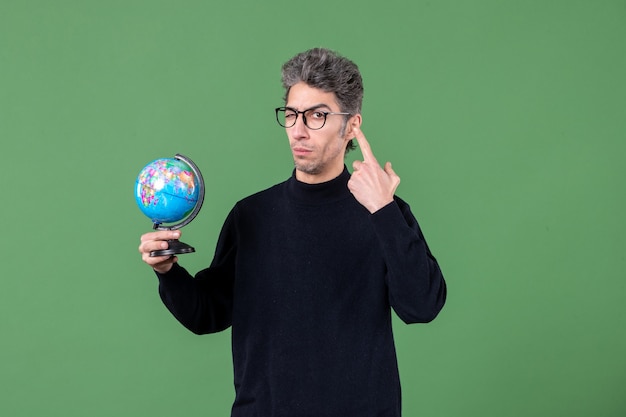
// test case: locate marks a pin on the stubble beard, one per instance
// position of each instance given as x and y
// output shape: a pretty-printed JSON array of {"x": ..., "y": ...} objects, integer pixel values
[
  {"x": 310, "y": 168},
  {"x": 319, "y": 166}
]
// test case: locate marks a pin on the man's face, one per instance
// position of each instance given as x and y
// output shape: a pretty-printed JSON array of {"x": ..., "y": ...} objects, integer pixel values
[{"x": 318, "y": 154}]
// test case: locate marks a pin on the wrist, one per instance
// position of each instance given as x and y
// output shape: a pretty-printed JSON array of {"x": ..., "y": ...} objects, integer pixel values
[{"x": 374, "y": 208}]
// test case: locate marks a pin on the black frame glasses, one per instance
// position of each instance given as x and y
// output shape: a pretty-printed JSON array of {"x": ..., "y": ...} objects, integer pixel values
[{"x": 313, "y": 112}]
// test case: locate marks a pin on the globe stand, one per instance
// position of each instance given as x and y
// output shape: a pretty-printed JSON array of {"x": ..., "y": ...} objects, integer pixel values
[{"x": 175, "y": 246}]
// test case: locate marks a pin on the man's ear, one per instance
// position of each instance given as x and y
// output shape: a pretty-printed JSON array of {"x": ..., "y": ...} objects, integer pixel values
[{"x": 354, "y": 121}]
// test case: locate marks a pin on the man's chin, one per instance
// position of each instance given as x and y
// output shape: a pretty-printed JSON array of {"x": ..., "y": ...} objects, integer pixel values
[{"x": 309, "y": 169}]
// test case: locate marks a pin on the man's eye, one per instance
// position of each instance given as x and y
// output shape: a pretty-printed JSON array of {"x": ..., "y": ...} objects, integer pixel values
[
  {"x": 290, "y": 115},
  {"x": 316, "y": 114}
]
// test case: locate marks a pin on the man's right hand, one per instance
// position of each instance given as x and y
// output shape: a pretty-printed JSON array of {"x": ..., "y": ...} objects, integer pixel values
[{"x": 157, "y": 241}]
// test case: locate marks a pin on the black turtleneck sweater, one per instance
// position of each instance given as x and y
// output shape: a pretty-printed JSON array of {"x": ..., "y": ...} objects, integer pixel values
[{"x": 307, "y": 277}]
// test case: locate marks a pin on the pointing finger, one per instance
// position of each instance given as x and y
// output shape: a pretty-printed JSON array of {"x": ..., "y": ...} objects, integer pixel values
[{"x": 366, "y": 150}]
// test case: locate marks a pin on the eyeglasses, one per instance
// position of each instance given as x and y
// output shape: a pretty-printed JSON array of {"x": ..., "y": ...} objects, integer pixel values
[{"x": 314, "y": 118}]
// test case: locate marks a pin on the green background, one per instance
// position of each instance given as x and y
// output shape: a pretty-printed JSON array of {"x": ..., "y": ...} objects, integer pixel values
[{"x": 506, "y": 121}]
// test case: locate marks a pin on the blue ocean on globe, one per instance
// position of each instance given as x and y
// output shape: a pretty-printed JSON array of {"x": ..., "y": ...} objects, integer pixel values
[{"x": 166, "y": 190}]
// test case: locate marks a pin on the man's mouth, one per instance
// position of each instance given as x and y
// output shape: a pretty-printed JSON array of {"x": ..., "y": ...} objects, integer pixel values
[{"x": 300, "y": 151}]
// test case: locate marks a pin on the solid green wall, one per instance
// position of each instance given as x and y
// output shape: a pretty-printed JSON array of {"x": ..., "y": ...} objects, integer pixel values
[{"x": 506, "y": 121}]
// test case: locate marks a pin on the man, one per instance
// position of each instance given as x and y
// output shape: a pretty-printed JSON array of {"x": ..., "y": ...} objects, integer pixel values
[{"x": 307, "y": 271}]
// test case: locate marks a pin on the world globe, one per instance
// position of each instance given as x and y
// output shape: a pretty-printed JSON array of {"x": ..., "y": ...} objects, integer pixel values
[
  {"x": 170, "y": 192},
  {"x": 166, "y": 190}
]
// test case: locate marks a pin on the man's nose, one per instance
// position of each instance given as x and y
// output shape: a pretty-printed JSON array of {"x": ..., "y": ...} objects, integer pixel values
[{"x": 299, "y": 129}]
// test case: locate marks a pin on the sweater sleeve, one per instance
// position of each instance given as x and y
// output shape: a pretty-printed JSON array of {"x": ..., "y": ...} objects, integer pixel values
[
  {"x": 417, "y": 289},
  {"x": 203, "y": 304}
]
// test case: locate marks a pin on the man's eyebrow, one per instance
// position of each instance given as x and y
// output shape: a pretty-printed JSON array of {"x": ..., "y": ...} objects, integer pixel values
[{"x": 317, "y": 106}]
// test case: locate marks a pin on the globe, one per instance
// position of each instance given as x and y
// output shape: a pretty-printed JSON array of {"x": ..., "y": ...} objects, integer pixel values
[
  {"x": 166, "y": 190},
  {"x": 170, "y": 192}
]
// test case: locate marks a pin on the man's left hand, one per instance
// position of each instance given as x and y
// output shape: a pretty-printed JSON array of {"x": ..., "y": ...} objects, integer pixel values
[{"x": 371, "y": 185}]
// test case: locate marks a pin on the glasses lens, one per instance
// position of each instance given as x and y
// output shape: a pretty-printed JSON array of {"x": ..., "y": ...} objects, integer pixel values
[
  {"x": 286, "y": 117},
  {"x": 315, "y": 119}
]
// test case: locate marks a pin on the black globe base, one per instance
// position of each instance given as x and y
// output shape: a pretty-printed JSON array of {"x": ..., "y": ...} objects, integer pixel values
[{"x": 175, "y": 247}]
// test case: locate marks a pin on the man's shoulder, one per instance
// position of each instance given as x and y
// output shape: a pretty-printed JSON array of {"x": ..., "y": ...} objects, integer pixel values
[{"x": 269, "y": 194}]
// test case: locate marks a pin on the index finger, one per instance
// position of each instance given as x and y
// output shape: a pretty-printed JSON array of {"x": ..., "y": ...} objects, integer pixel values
[
  {"x": 160, "y": 235},
  {"x": 366, "y": 149}
]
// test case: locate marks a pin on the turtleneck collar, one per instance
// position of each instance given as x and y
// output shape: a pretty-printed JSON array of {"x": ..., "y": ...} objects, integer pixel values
[{"x": 318, "y": 194}]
